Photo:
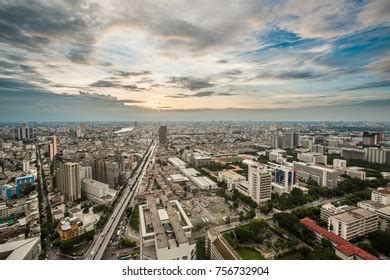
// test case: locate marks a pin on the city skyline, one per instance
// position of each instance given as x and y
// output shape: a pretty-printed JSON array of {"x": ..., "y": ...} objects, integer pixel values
[{"x": 180, "y": 60}]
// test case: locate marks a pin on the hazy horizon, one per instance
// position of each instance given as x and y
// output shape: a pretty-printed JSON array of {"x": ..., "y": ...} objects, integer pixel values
[{"x": 194, "y": 60}]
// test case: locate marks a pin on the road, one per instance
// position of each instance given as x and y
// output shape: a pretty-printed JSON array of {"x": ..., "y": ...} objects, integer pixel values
[{"x": 100, "y": 243}]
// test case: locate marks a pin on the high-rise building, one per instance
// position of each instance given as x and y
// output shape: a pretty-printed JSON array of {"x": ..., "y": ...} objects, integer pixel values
[
  {"x": 163, "y": 134},
  {"x": 285, "y": 178},
  {"x": 23, "y": 132},
  {"x": 26, "y": 165},
  {"x": 52, "y": 147},
  {"x": 106, "y": 171},
  {"x": 68, "y": 181},
  {"x": 372, "y": 138},
  {"x": 259, "y": 183},
  {"x": 377, "y": 155},
  {"x": 80, "y": 130}
]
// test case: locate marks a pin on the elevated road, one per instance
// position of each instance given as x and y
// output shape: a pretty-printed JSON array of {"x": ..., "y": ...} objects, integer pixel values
[{"x": 100, "y": 243}]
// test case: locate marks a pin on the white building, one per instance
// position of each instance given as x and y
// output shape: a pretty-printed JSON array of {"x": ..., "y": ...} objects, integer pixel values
[
  {"x": 231, "y": 178},
  {"x": 314, "y": 158},
  {"x": 97, "y": 191},
  {"x": 285, "y": 179},
  {"x": 26, "y": 249},
  {"x": 339, "y": 163},
  {"x": 165, "y": 230},
  {"x": 324, "y": 176},
  {"x": 376, "y": 155},
  {"x": 176, "y": 162},
  {"x": 277, "y": 157},
  {"x": 381, "y": 195},
  {"x": 353, "y": 223},
  {"x": 259, "y": 183}
]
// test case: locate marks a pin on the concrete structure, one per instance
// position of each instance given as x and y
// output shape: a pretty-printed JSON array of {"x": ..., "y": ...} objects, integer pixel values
[
  {"x": 24, "y": 132},
  {"x": 377, "y": 155},
  {"x": 231, "y": 178},
  {"x": 350, "y": 153},
  {"x": 339, "y": 163},
  {"x": 277, "y": 157},
  {"x": 381, "y": 195},
  {"x": 314, "y": 158},
  {"x": 52, "y": 147},
  {"x": 25, "y": 165},
  {"x": 106, "y": 171},
  {"x": 97, "y": 191},
  {"x": 218, "y": 248},
  {"x": 329, "y": 209},
  {"x": 285, "y": 178},
  {"x": 163, "y": 135},
  {"x": 68, "y": 180},
  {"x": 26, "y": 249},
  {"x": 384, "y": 218},
  {"x": 343, "y": 249},
  {"x": 353, "y": 223},
  {"x": 320, "y": 149},
  {"x": 259, "y": 183},
  {"x": 165, "y": 230},
  {"x": 324, "y": 176},
  {"x": 176, "y": 162}
]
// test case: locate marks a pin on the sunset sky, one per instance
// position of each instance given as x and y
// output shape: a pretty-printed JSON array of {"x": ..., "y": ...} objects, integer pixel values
[{"x": 151, "y": 60}]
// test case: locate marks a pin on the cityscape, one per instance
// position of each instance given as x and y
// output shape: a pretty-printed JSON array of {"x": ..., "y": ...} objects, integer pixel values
[
  {"x": 195, "y": 130},
  {"x": 195, "y": 191}
]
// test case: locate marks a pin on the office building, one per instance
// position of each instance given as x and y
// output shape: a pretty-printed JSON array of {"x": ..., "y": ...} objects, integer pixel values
[
  {"x": 381, "y": 195},
  {"x": 372, "y": 138},
  {"x": 324, "y": 176},
  {"x": 26, "y": 249},
  {"x": 97, "y": 192},
  {"x": 329, "y": 209},
  {"x": 353, "y": 223},
  {"x": 24, "y": 132},
  {"x": 350, "y": 153},
  {"x": 106, "y": 171},
  {"x": 165, "y": 230},
  {"x": 259, "y": 183},
  {"x": 162, "y": 135},
  {"x": 68, "y": 181},
  {"x": 339, "y": 163},
  {"x": 312, "y": 158},
  {"x": 285, "y": 178},
  {"x": 52, "y": 147},
  {"x": 377, "y": 155}
]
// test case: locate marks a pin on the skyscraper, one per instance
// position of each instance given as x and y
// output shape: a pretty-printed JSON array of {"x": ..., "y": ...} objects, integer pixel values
[
  {"x": 23, "y": 132},
  {"x": 162, "y": 134},
  {"x": 52, "y": 147},
  {"x": 68, "y": 181},
  {"x": 259, "y": 181}
]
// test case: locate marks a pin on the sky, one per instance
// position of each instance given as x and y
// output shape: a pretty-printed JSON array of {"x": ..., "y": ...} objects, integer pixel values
[{"x": 194, "y": 60}]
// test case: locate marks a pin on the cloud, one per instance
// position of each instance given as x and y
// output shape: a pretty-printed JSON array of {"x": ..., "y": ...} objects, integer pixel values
[
  {"x": 128, "y": 74},
  {"x": 114, "y": 84},
  {"x": 370, "y": 85},
  {"x": 191, "y": 83},
  {"x": 292, "y": 75},
  {"x": 207, "y": 93}
]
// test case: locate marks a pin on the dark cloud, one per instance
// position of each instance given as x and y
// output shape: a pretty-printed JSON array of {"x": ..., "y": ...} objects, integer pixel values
[
  {"x": 234, "y": 72},
  {"x": 207, "y": 93},
  {"x": 291, "y": 75},
  {"x": 191, "y": 83},
  {"x": 370, "y": 85},
  {"x": 128, "y": 74},
  {"x": 114, "y": 84}
]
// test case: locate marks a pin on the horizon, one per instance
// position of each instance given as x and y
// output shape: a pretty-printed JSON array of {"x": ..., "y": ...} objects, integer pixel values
[{"x": 227, "y": 60}]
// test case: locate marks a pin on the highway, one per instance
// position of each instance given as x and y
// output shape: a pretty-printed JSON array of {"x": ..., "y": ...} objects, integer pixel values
[{"x": 100, "y": 243}]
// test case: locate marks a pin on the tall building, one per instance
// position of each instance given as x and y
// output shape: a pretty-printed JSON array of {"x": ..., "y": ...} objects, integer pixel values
[
  {"x": 68, "y": 181},
  {"x": 259, "y": 183},
  {"x": 285, "y": 178},
  {"x": 26, "y": 165},
  {"x": 165, "y": 230},
  {"x": 106, "y": 171},
  {"x": 163, "y": 134},
  {"x": 80, "y": 130},
  {"x": 290, "y": 140},
  {"x": 372, "y": 138},
  {"x": 23, "y": 132},
  {"x": 377, "y": 155},
  {"x": 52, "y": 147}
]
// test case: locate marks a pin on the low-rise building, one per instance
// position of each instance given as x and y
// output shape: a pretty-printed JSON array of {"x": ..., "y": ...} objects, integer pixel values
[
  {"x": 314, "y": 158},
  {"x": 231, "y": 178},
  {"x": 353, "y": 223},
  {"x": 26, "y": 249},
  {"x": 165, "y": 230},
  {"x": 97, "y": 192},
  {"x": 381, "y": 195}
]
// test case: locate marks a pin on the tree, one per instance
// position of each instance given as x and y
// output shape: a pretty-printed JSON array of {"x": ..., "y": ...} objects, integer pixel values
[
  {"x": 227, "y": 221},
  {"x": 380, "y": 240}
]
